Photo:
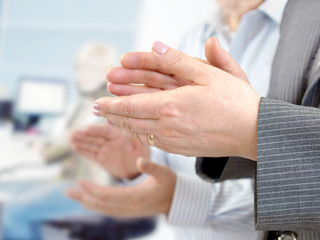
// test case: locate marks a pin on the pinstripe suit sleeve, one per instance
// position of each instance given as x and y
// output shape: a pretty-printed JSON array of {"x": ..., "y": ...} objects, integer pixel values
[{"x": 288, "y": 166}]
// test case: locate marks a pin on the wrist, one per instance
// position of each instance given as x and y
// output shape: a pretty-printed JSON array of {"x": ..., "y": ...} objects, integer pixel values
[{"x": 248, "y": 142}]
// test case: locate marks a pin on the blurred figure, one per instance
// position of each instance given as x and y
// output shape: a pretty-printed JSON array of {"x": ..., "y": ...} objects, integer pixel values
[
  {"x": 23, "y": 216},
  {"x": 92, "y": 63}
]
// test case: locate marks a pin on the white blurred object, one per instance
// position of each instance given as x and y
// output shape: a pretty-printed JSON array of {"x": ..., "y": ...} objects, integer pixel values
[
  {"x": 163, "y": 231},
  {"x": 20, "y": 159},
  {"x": 168, "y": 21},
  {"x": 92, "y": 63},
  {"x": 6, "y": 129},
  {"x": 41, "y": 96}
]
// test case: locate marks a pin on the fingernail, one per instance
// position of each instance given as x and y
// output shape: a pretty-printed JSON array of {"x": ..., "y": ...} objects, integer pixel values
[
  {"x": 160, "y": 48},
  {"x": 97, "y": 113},
  {"x": 96, "y": 107}
]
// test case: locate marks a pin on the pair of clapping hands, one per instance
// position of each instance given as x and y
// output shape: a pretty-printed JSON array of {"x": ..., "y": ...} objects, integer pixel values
[{"x": 189, "y": 106}]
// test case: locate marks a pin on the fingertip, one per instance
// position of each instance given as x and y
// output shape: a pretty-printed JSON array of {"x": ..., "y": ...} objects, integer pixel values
[
  {"x": 128, "y": 60},
  {"x": 122, "y": 58},
  {"x": 212, "y": 44},
  {"x": 84, "y": 184},
  {"x": 72, "y": 193},
  {"x": 112, "y": 88},
  {"x": 98, "y": 101},
  {"x": 142, "y": 164},
  {"x": 109, "y": 73}
]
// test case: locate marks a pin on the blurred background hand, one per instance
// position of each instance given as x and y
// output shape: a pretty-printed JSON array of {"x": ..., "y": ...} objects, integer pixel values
[
  {"x": 151, "y": 197},
  {"x": 111, "y": 147}
]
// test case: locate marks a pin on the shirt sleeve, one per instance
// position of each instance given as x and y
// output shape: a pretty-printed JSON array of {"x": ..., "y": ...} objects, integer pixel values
[{"x": 226, "y": 206}]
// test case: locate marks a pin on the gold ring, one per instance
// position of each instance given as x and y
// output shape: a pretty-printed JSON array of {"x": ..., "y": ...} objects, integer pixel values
[{"x": 151, "y": 139}]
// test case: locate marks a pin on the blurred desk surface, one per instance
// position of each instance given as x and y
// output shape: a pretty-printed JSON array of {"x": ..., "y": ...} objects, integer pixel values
[{"x": 20, "y": 159}]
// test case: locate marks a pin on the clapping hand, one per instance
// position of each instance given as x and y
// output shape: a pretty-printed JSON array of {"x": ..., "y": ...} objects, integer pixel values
[
  {"x": 213, "y": 110},
  {"x": 151, "y": 197}
]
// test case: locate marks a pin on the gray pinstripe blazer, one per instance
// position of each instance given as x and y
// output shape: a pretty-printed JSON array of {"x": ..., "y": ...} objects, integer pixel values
[{"x": 288, "y": 166}]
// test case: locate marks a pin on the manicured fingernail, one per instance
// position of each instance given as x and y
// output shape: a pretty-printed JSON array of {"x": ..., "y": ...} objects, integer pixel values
[
  {"x": 160, "y": 48},
  {"x": 96, "y": 107},
  {"x": 97, "y": 113}
]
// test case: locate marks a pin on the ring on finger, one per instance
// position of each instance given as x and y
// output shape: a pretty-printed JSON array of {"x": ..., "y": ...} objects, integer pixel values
[{"x": 151, "y": 140}]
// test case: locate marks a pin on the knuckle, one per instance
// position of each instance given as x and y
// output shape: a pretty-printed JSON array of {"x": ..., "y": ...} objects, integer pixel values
[
  {"x": 175, "y": 59},
  {"x": 125, "y": 123},
  {"x": 126, "y": 107},
  {"x": 168, "y": 109},
  {"x": 168, "y": 133}
]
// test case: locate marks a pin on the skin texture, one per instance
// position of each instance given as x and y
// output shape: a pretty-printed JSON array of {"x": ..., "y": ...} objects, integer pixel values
[
  {"x": 100, "y": 143},
  {"x": 173, "y": 89},
  {"x": 151, "y": 197},
  {"x": 117, "y": 152},
  {"x": 234, "y": 9},
  {"x": 215, "y": 114}
]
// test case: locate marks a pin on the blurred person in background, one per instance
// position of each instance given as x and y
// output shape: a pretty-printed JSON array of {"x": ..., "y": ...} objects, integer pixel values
[
  {"x": 24, "y": 216},
  {"x": 249, "y": 30}
]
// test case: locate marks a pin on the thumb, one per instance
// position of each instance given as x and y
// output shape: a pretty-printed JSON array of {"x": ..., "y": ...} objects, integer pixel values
[
  {"x": 220, "y": 58},
  {"x": 175, "y": 62},
  {"x": 151, "y": 168}
]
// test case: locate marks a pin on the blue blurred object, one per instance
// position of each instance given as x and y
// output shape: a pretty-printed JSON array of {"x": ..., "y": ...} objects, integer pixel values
[
  {"x": 6, "y": 107},
  {"x": 38, "y": 204},
  {"x": 108, "y": 228}
]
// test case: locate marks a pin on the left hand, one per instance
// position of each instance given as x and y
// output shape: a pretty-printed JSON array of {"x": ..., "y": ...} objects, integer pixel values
[
  {"x": 216, "y": 116},
  {"x": 139, "y": 68},
  {"x": 151, "y": 197}
]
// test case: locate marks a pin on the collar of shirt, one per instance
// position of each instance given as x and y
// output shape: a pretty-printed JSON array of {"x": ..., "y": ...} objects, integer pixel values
[{"x": 272, "y": 8}]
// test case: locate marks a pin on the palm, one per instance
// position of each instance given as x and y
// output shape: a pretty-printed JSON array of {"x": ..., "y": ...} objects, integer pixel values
[{"x": 113, "y": 149}]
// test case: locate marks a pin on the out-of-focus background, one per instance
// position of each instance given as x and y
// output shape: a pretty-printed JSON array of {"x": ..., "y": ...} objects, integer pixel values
[{"x": 53, "y": 59}]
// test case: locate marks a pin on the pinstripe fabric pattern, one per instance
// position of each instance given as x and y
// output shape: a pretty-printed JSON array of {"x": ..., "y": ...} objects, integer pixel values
[
  {"x": 288, "y": 188},
  {"x": 288, "y": 180}
]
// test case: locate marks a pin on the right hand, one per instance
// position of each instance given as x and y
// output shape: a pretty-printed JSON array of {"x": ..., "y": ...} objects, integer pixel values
[
  {"x": 110, "y": 147},
  {"x": 151, "y": 197}
]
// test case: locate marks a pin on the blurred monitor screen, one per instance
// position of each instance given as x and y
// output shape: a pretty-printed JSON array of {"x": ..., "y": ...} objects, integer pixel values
[{"x": 41, "y": 96}]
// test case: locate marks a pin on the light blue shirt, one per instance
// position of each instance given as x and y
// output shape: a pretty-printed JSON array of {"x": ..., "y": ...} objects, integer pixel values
[{"x": 225, "y": 210}]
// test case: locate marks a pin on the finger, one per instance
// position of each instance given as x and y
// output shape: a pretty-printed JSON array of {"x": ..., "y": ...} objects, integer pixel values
[
  {"x": 136, "y": 125},
  {"x": 154, "y": 79},
  {"x": 87, "y": 141},
  {"x": 74, "y": 194},
  {"x": 127, "y": 90},
  {"x": 137, "y": 106},
  {"x": 170, "y": 61},
  {"x": 109, "y": 194},
  {"x": 121, "y": 75},
  {"x": 105, "y": 131},
  {"x": 88, "y": 147},
  {"x": 153, "y": 169},
  {"x": 88, "y": 201},
  {"x": 221, "y": 59}
]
